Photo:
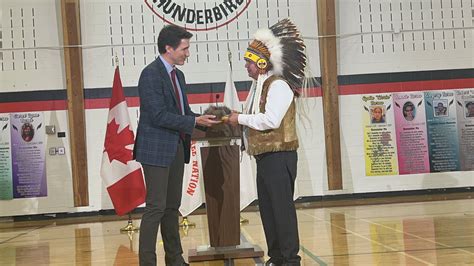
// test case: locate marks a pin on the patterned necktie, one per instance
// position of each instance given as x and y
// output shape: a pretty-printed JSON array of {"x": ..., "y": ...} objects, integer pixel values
[
  {"x": 178, "y": 98},
  {"x": 176, "y": 90}
]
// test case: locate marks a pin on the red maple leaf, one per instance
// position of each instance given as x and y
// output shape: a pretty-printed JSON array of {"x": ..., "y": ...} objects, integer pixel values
[{"x": 116, "y": 142}]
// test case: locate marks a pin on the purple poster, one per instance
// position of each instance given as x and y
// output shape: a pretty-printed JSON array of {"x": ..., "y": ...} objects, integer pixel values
[
  {"x": 465, "y": 115},
  {"x": 412, "y": 141},
  {"x": 28, "y": 155}
]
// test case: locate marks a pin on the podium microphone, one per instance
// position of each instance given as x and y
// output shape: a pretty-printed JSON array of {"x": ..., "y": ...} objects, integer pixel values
[{"x": 217, "y": 98}]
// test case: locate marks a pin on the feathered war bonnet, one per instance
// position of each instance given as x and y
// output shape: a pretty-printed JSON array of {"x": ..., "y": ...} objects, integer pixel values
[{"x": 281, "y": 49}]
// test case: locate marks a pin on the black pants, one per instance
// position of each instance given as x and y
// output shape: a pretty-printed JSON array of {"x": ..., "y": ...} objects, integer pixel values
[
  {"x": 163, "y": 198},
  {"x": 276, "y": 174}
]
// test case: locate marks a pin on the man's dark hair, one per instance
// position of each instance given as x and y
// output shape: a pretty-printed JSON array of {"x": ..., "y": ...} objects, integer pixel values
[
  {"x": 469, "y": 103},
  {"x": 172, "y": 35}
]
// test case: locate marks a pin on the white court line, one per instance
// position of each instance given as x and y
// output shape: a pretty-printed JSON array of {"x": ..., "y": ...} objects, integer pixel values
[
  {"x": 405, "y": 233},
  {"x": 372, "y": 241}
]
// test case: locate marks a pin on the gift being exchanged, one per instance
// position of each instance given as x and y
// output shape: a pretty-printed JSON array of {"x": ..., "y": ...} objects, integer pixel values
[{"x": 223, "y": 129}]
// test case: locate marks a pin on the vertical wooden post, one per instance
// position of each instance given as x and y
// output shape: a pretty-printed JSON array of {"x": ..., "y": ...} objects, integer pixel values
[
  {"x": 75, "y": 95},
  {"x": 328, "y": 57}
]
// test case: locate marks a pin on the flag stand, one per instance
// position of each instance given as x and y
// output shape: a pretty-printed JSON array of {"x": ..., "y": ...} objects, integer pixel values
[
  {"x": 129, "y": 227},
  {"x": 130, "y": 237},
  {"x": 186, "y": 223}
]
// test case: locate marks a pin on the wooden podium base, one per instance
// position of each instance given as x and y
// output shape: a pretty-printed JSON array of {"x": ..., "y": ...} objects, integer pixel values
[
  {"x": 207, "y": 253},
  {"x": 221, "y": 175}
]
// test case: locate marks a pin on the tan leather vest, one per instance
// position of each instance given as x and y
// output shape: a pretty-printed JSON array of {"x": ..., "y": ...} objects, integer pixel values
[{"x": 283, "y": 138}]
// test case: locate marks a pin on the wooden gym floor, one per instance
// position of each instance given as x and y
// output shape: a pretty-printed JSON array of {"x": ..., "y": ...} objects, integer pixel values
[{"x": 435, "y": 232}]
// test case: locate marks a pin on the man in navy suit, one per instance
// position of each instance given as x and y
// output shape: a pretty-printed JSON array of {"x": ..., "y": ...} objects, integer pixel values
[{"x": 163, "y": 145}]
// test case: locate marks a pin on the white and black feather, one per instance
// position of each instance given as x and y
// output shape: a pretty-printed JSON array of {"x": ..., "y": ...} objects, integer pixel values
[{"x": 287, "y": 51}]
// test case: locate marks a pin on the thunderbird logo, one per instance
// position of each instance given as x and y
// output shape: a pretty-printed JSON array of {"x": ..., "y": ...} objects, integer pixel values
[{"x": 198, "y": 15}]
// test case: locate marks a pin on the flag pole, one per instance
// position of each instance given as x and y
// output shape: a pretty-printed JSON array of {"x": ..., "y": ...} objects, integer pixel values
[
  {"x": 229, "y": 57},
  {"x": 116, "y": 60},
  {"x": 130, "y": 227}
]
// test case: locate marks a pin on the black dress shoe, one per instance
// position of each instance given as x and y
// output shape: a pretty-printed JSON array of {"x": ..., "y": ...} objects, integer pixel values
[{"x": 272, "y": 262}]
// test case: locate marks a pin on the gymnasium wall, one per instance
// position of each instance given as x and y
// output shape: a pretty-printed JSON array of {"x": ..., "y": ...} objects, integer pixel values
[{"x": 383, "y": 47}]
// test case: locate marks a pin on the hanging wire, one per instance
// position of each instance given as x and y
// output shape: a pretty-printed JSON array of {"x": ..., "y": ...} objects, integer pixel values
[{"x": 339, "y": 36}]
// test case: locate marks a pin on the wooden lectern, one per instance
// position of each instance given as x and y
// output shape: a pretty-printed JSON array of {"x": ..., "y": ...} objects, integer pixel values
[{"x": 220, "y": 157}]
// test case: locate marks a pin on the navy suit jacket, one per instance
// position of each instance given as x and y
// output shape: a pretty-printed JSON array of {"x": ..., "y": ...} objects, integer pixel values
[{"x": 160, "y": 121}]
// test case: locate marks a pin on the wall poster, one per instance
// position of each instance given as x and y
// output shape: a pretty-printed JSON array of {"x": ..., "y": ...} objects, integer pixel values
[
  {"x": 379, "y": 143},
  {"x": 28, "y": 155},
  {"x": 465, "y": 115},
  {"x": 412, "y": 141},
  {"x": 443, "y": 141}
]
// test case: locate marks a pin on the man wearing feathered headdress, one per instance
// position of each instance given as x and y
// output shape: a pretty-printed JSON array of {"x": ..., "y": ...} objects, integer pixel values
[{"x": 275, "y": 59}]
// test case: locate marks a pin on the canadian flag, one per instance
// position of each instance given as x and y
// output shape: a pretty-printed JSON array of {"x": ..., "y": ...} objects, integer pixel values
[{"x": 120, "y": 173}]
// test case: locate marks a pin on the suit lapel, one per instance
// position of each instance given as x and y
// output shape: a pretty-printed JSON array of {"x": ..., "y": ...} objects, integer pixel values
[{"x": 166, "y": 77}]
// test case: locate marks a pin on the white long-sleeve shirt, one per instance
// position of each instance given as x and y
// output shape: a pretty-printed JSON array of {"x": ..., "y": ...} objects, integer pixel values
[{"x": 279, "y": 99}]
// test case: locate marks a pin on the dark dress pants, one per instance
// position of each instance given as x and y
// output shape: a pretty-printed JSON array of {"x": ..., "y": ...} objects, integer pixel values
[
  {"x": 276, "y": 174},
  {"x": 163, "y": 198}
]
